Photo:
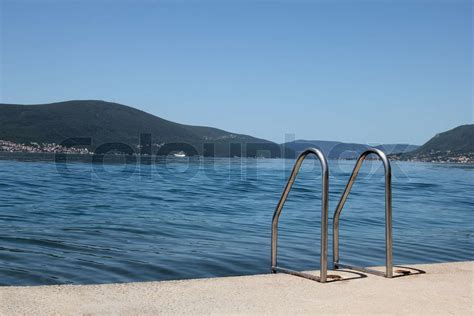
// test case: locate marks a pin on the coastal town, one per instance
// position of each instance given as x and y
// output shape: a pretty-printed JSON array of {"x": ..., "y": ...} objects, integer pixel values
[
  {"x": 436, "y": 157},
  {"x": 432, "y": 157},
  {"x": 34, "y": 147}
]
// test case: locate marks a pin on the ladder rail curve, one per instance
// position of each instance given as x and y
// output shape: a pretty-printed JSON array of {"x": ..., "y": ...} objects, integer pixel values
[
  {"x": 388, "y": 211},
  {"x": 324, "y": 213}
]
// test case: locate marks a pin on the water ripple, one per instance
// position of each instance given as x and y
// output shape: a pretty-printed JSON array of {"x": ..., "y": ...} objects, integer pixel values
[{"x": 116, "y": 223}]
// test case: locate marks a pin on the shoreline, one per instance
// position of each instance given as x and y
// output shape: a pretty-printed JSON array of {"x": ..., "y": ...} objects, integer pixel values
[
  {"x": 439, "y": 288},
  {"x": 148, "y": 159}
]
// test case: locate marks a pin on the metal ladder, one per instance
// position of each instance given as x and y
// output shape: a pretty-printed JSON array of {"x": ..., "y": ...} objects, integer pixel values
[
  {"x": 388, "y": 215},
  {"x": 324, "y": 216}
]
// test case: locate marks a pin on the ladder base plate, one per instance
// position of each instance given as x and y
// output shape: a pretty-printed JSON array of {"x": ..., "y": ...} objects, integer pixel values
[
  {"x": 297, "y": 273},
  {"x": 360, "y": 269}
]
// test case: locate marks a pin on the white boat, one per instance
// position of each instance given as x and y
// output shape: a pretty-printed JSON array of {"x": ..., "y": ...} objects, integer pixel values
[{"x": 180, "y": 154}]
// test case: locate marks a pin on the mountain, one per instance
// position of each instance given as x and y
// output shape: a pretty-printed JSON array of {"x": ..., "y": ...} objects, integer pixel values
[
  {"x": 455, "y": 145},
  {"x": 116, "y": 127},
  {"x": 397, "y": 148},
  {"x": 340, "y": 150},
  {"x": 456, "y": 140},
  {"x": 105, "y": 126}
]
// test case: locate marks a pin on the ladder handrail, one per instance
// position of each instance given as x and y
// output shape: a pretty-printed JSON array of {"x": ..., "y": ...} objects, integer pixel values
[
  {"x": 324, "y": 209},
  {"x": 388, "y": 209}
]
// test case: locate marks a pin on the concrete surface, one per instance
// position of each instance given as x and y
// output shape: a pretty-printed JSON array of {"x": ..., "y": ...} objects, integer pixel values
[{"x": 444, "y": 289}]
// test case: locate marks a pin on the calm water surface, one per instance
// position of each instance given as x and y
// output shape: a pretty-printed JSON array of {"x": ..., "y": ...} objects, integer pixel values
[{"x": 82, "y": 223}]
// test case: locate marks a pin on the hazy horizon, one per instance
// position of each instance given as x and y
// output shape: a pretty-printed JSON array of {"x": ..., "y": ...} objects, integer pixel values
[{"x": 360, "y": 72}]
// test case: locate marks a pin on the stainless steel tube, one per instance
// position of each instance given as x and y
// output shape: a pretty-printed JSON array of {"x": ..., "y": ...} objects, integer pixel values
[
  {"x": 324, "y": 209},
  {"x": 388, "y": 209}
]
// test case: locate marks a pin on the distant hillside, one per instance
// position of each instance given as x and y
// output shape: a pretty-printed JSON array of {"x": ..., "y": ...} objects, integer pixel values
[
  {"x": 456, "y": 140},
  {"x": 397, "y": 148},
  {"x": 339, "y": 150},
  {"x": 109, "y": 123},
  {"x": 455, "y": 145}
]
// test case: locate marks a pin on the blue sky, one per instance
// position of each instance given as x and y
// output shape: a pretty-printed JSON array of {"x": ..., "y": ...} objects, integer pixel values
[{"x": 361, "y": 71}]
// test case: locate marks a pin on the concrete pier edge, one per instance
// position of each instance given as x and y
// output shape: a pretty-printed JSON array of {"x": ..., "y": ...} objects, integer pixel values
[{"x": 444, "y": 288}]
